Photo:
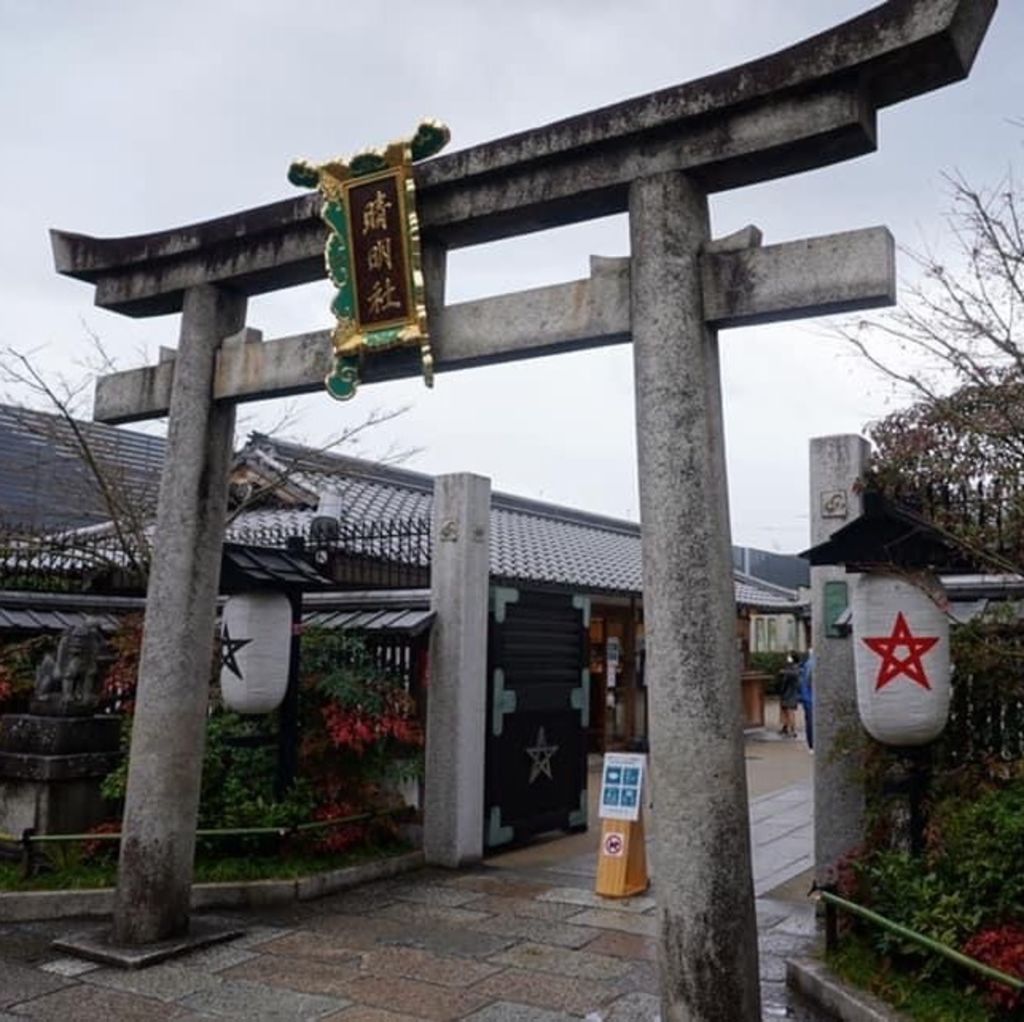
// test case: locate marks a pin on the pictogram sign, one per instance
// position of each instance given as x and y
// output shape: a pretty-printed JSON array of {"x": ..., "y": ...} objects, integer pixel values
[
  {"x": 614, "y": 844},
  {"x": 622, "y": 785}
]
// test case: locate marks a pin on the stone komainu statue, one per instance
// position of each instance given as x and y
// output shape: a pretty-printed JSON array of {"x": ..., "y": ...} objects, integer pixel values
[{"x": 67, "y": 683}]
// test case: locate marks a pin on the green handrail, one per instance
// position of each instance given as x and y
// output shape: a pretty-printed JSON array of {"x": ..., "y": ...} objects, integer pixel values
[
  {"x": 358, "y": 818},
  {"x": 220, "y": 832},
  {"x": 919, "y": 938}
]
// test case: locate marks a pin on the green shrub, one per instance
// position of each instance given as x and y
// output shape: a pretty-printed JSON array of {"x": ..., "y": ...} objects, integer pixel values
[
  {"x": 359, "y": 736},
  {"x": 941, "y": 999},
  {"x": 978, "y": 851},
  {"x": 767, "y": 663},
  {"x": 770, "y": 664},
  {"x": 969, "y": 881},
  {"x": 906, "y": 891}
]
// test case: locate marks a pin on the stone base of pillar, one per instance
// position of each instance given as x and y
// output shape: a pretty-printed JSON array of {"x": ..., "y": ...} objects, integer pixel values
[{"x": 95, "y": 945}]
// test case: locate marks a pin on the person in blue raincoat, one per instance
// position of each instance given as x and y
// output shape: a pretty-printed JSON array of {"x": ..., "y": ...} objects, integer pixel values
[{"x": 807, "y": 694}]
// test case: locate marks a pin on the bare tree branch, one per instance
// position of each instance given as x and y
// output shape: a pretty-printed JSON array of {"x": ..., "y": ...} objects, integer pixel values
[
  {"x": 956, "y": 347},
  {"x": 129, "y": 516}
]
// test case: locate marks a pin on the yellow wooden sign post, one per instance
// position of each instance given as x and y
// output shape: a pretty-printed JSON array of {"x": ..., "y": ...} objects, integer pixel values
[{"x": 622, "y": 857}]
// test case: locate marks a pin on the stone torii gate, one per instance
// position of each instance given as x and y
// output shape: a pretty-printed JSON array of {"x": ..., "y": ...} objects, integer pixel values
[{"x": 657, "y": 157}]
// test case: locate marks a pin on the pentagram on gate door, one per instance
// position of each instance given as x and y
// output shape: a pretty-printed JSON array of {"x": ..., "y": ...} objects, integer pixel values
[{"x": 540, "y": 754}]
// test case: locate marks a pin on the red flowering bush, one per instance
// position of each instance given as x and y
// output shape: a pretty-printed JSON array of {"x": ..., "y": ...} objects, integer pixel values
[
  {"x": 122, "y": 676},
  {"x": 345, "y": 835},
  {"x": 18, "y": 662},
  {"x": 1002, "y": 948},
  {"x": 358, "y": 727},
  {"x": 102, "y": 850},
  {"x": 361, "y": 732},
  {"x": 352, "y": 729}
]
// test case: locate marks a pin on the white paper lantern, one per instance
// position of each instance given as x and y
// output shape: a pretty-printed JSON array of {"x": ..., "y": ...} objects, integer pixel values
[
  {"x": 901, "y": 655},
  {"x": 255, "y": 635}
]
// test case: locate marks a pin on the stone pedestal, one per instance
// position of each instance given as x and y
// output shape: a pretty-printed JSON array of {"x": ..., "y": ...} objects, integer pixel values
[{"x": 51, "y": 769}]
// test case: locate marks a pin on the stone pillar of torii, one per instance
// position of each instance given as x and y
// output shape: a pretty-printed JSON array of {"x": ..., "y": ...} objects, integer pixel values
[{"x": 657, "y": 157}]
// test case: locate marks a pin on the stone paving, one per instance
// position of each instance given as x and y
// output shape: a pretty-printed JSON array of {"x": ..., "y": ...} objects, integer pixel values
[
  {"x": 782, "y": 842},
  {"x": 488, "y": 945},
  {"x": 511, "y": 941}
]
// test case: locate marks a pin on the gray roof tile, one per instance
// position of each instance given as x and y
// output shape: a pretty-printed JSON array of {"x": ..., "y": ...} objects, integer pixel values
[
  {"x": 531, "y": 541},
  {"x": 44, "y": 481}
]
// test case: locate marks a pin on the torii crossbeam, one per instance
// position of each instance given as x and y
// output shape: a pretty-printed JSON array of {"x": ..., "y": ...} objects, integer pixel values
[{"x": 658, "y": 157}]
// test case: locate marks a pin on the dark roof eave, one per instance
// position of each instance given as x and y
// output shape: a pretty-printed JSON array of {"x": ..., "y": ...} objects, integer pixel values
[{"x": 887, "y": 535}]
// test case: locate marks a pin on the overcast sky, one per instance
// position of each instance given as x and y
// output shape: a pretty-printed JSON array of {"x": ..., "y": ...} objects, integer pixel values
[{"x": 123, "y": 118}]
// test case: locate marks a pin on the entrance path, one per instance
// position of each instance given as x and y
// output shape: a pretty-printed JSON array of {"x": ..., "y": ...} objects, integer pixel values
[
  {"x": 781, "y": 815},
  {"x": 511, "y": 941}
]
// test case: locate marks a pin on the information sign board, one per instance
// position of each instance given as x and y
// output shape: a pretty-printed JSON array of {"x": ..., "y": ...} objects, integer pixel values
[{"x": 622, "y": 785}]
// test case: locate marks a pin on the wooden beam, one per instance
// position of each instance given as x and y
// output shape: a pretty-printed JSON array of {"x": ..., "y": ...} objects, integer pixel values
[
  {"x": 806, "y": 106},
  {"x": 815, "y": 276}
]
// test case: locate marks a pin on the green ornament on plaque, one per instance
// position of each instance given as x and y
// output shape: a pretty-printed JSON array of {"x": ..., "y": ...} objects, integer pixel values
[{"x": 373, "y": 252}]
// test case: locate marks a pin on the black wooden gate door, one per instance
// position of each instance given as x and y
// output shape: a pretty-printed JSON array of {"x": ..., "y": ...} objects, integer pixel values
[{"x": 537, "y": 709}]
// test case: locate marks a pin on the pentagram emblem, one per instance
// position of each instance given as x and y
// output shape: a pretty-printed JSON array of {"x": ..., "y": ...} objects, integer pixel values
[
  {"x": 228, "y": 648},
  {"x": 540, "y": 754},
  {"x": 893, "y": 666}
]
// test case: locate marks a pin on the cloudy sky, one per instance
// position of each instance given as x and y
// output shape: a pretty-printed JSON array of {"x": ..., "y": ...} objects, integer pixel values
[{"x": 121, "y": 118}]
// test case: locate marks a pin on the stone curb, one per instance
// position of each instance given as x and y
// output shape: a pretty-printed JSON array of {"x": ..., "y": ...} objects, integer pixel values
[
  {"x": 822, "y": 987},
  {"x": 26, "y": 906}
]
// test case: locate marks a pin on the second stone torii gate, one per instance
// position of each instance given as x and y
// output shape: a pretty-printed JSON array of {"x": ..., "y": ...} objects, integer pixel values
[{"x": 657, "y": 157}]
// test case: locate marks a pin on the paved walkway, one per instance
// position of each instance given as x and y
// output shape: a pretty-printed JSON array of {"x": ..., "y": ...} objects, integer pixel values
[
  {"x": 782, "y": 835},
  {"x": 782, "y": 825},
  {"x": 509, "y": 942}
]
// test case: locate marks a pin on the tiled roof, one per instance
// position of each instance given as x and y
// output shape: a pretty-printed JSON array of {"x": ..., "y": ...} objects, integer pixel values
[
  {"x": 531, "y": 541},
  {"x": 55, "y": 612},
  {"x": 44, "y": 481},
  {"x": 755, "y": 592},
  {"x": 28, "y": 620}
]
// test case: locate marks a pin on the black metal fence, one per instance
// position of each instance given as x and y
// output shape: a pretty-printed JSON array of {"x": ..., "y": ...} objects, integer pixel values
[
  {"x": 383, "y": 554},
  {"x": 401, "y": 657},
  {"x": 386, "y": 554},
  {"x": 77, "y": 561},
  {"x": 987, "y": 515},
  {"x": 986, "y": 721}
]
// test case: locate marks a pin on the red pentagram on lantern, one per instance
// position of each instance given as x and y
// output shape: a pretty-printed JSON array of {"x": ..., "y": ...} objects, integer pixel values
[{"x": 893, "y": 666}]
